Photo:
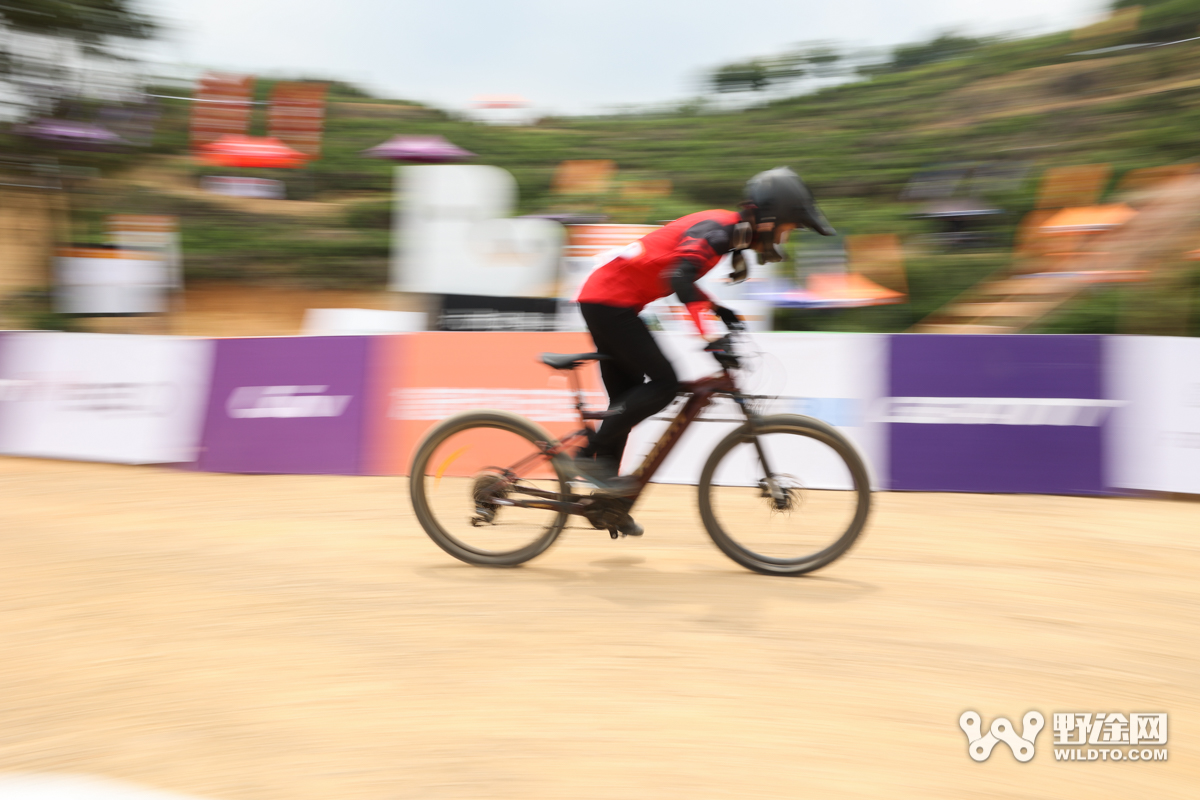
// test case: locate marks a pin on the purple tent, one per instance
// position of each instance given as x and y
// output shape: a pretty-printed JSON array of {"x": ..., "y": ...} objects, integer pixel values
[
  {"x": 79, "y": 135},
  {"x": 419, "y": 150}
]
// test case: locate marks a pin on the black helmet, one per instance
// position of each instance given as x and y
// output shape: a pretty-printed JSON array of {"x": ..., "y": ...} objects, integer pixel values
[{"x": 779, "y": 196}]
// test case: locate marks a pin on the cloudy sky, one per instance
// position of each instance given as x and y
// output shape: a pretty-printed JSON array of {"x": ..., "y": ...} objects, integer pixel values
[{"x": 562, "y": 55}]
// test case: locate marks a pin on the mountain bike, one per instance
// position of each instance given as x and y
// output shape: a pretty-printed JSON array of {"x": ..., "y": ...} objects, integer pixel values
[{"x": 780, "y": 494}]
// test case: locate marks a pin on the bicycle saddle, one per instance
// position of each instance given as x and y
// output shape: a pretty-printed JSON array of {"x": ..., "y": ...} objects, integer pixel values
[{"x": 570, "y": 360}]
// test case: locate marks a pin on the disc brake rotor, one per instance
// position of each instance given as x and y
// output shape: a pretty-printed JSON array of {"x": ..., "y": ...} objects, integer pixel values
[{"x": 789, "y": 488}]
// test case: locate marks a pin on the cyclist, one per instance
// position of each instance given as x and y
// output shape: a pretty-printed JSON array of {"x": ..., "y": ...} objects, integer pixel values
[{"x": 639, "y": 379}]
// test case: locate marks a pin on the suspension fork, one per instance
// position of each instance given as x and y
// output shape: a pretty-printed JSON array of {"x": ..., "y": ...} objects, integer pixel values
[{"x": 752, "y": 419}]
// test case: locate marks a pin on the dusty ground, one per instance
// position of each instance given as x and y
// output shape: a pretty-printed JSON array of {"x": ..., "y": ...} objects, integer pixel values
[{"x": 249, "y": 637}]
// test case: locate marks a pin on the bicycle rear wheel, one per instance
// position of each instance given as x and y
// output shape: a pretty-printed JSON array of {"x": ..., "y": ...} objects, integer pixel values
[
  {"x": 807, "y": 515},
  {"x": 465, "y": 471}
]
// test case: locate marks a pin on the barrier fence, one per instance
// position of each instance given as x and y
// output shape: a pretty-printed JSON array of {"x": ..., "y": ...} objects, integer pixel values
[
  {"x": 1021, "y": 413},
  {"x": 291, "y": 405},
  {"x": 990, "y": 413},
  {"x": 103, "y": 397}
]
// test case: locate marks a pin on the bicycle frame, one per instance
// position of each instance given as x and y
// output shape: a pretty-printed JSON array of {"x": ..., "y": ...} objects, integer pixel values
[{"x": 699, "y": 395}]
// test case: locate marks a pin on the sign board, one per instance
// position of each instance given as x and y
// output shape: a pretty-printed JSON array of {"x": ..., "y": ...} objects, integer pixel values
[
  {"x": 360, "y": 321},
  {"x": 420, "y": 379},
  {"x": 220, "y": 106},
  {"x": 297, "y": 115},
  {"x": 835, "y": 377},
  {"x": 989, "y": 413},
  {"x": 1155, "y": 434},
  {"x": 158, "y": 233},
  {"x": 461, "y": 312},
  {"x": 103, "y": 397},
  {"x": 100, "y": 281},
  {"x": 237, "y": 186},
  {"x": 286, "y": 405},
  {"x": 453, "y": 235},
  {"x": 584, "y": 177}
]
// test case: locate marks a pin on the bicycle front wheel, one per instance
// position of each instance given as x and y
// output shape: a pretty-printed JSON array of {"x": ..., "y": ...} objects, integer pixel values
[
  {"x": 466, "y": 473},
  {"x": 798, "y": 516}
]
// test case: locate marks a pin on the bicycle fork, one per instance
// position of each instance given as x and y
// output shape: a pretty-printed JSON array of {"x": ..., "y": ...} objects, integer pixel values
[{"x": 770, "y": 486}]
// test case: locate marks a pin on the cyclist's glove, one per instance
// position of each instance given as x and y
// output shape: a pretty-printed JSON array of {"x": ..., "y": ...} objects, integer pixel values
[
  {"x": 722, "y": 350},
  {"x": 732, "y": 321}
]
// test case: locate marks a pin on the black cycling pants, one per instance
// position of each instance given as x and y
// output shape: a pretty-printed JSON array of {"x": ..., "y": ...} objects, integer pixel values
[{"x": 635, "y": 356}]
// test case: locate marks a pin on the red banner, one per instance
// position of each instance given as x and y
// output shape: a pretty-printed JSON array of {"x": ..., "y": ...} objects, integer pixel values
[
  {"x": 297, "y": 116},
  {"x": 220, "y": 106}
]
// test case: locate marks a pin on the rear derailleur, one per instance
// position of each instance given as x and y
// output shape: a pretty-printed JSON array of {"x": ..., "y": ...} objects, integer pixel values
[{"x": 487, "y": 487}]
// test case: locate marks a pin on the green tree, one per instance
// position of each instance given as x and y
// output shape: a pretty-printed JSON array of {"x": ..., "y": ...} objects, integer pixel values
[
  {"x": 92, "y": 24},
  {"x": 752, "y": 76},
  {"x": 824, "y": 60},
  {"x": 819, "y": 60},
  {"x": 943, "y": 48},
  {"x": 34, "y": 71}
]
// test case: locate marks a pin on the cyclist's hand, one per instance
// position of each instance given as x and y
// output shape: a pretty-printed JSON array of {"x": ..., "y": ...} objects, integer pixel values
[
  {"x": 732, "y": 321},
  {"x": 722, "y": 350}
]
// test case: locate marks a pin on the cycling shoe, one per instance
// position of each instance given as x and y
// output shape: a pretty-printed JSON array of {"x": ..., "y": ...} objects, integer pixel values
[
  {"x": 602, "y": 474},
  {"x": 630, "y": 528}
]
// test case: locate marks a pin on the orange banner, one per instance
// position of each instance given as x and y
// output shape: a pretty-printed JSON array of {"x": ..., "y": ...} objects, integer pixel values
[
  {"x": 220, "y": 106},
  {"x": 584, "y": 177},
  {"x": 297, "y": 115},
  {"x": 422, "y": 378}
]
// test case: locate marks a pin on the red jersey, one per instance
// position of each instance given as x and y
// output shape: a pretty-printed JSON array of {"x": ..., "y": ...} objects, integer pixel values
[{"x": 643, "y": 273}]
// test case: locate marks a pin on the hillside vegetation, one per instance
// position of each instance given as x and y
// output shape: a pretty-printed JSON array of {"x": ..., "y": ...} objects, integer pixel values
[{"x": 1033, "y": 102}]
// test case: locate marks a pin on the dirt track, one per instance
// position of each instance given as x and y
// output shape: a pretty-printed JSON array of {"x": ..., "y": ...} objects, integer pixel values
[{"x": 299, "y": 637}]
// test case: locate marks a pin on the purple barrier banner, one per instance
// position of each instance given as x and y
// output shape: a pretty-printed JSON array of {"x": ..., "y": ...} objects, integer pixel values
[
  {"x": 5, "y": 386},
  {"x": 286, "y": 405},
  {"x": 995, "y": 413}
]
